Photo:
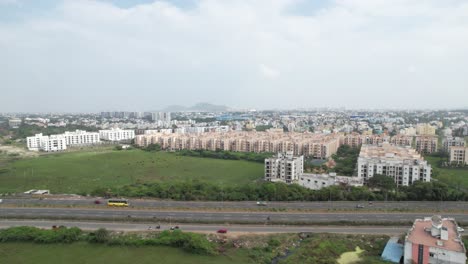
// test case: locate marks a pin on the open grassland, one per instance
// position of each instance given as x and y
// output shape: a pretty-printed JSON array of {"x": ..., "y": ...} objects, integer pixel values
[
  {"x": 455, "y": 177},
  {"x": 79, "y": 172},
  {"x": 80, "y": 253}
]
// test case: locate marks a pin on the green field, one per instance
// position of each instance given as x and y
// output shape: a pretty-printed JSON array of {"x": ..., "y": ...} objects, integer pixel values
[
  {"x": 455, "y": 177},
  {"x": 79, "y": 172},
  {"x": 83, "y": 253}
]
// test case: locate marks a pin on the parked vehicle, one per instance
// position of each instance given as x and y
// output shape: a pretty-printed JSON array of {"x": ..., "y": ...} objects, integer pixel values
[
  {"x": 460, "y": 229},
  {"x": 222, "y": 231}
]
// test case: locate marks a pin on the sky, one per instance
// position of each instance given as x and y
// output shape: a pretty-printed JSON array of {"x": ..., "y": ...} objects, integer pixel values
[{"x": 90, "y": 56}]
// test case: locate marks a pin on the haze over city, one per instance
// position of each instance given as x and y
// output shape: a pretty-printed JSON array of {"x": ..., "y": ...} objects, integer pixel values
[{"x": 146, "y": 55}]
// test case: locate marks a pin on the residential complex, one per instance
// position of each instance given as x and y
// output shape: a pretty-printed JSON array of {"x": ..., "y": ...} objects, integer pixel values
[
  {"x": 452, "y": 142},
  {"x": 426, "y": 144},
  {"x": 434, "y": 240},
  {"x": 458, "y": 155},
  {"x": 403, "y": 164},
  {"x": 356, "y": 139},
  {"x": 284, "y": 168},
  {"x": 14, "y": 122},
  {"x": 116, "y": 134},
  {"x": 46, "y": 143},
  {"x": 319, "y": 181},
  {"x": 320, "y": 146},
  {"x": 80, "y": 137}
]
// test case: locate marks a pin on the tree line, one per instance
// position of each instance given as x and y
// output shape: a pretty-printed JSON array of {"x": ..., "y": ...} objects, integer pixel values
[{"x": 268, "y": 191}]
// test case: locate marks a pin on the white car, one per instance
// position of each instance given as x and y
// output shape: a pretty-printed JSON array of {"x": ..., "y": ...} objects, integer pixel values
[
  {"x": 460, "y": 229},
  {"x": 1, "y": 200}
]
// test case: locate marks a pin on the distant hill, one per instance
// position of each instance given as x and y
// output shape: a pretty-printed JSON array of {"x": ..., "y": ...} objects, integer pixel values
[{"x": 200, "y": 107}]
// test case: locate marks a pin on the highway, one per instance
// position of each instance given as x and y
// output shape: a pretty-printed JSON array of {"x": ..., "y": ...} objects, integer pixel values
[
  {"x": 387, "y": 230},
  {"x": 160, "y": 204},
  {"x": 218, "y": 217}
]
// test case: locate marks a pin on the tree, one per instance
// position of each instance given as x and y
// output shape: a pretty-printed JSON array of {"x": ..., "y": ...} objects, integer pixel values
[{"x": 382, "y": 182}]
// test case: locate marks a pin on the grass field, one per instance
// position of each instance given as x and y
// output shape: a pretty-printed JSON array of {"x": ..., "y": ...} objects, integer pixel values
[
  {"x": 456, "y": 177},
  {"x": 84, "y": 171},
  {"x": 83, "y": 253}
]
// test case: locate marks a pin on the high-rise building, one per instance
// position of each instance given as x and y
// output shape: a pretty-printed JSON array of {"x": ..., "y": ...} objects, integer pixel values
[
  {"x": 285, "y": 167},
  {"x": 80, "y": 137},
  {"x": 46, "y": 143},
  {"x": 425, "y": 129},
  {"x": 458, "y": 155},
  {"x": 116, "y": 134},
  {"x": 452, "y": 142},
  {"x": 403, "y": 164},
  {"x": 426, "y": 144}
]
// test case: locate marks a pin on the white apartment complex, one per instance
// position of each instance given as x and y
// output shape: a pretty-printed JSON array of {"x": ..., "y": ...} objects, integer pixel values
[
  {"x": 458, "y": 155},
  {"x": 403, "y": 164},
  {"x": 80, "y": 137},
  {"x": 434, "y": 240},
  {"x": 319, "y": 181},
  {"x": 284, "y": 168},
  {"x": 453, "y": 142},
  {"x": 46, "y": 143},
  {"x": 116, "y": 134}
]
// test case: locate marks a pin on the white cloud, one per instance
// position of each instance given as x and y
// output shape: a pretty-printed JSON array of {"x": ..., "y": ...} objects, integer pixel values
[{"x": 343, "y": 51}]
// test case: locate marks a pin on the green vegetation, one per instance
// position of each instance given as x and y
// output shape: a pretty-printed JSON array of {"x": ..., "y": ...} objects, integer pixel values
[
  {"x": 219, "y": 154},
  {"x": 190, "y": 242},
  {"x": 30, "y": 130},
  {"x": 327, "y": 248},
  {"x": 79, "y": 253},
  {"x": 81, "y": 172},
  {"x": 346, "y": 160},
  {"x": 454, "y": 177},
  {"x": 263, "y": 127}
]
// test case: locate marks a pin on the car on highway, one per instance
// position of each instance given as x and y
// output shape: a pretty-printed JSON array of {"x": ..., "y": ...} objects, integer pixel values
[
  {"x": 97, "y": 202},
  {"x": 222, "y": 231},
  {"x": 460, "y": 229},
  {"x": 1, "y": 200},
  {"x": 359, "y": 206},
  {"x": 174, "y": 227},
  {"x": 262, "y": 203}
]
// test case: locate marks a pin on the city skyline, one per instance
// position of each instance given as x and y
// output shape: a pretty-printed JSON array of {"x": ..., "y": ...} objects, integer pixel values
[{"x": 91, "y": 56}]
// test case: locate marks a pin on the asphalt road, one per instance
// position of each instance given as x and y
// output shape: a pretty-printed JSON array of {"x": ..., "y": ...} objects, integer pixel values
[
  {"x": 387, "y": 230},
  {"x": 158, "y": 204},
  {"x": 223, "y": 217}
]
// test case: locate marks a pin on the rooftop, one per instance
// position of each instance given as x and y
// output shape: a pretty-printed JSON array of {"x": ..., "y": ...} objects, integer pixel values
[
  {"x": 388, "y": 151},
  {"x": 420, "y": 234}
]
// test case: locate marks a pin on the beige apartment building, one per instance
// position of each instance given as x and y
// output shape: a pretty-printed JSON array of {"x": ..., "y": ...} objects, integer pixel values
[
  {"x": 453, "y": 142},
  {"x": 355, "y": 140},
  {"x": 426, "y": 144},
  {"x": 320, "y": 146},
  {"x": 425, "y": 129},
  {"x": 458, "y": 155}
]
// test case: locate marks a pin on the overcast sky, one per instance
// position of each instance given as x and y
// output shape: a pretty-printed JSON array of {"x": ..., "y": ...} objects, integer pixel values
[{"x": 144, "y": 55}]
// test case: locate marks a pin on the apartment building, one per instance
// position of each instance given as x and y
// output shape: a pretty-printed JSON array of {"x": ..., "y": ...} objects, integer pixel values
[
  {"x": 458, "y": 155},
  {"x": 117, "y": 134},
  {"x": 434, "y": 240},
  {"x": 161, "y": 116},
  {"x": 80, "y": 137},
  {"x": 46, "y": 143},
  {"x": 14, "y": 122},
  {"x": 401, "y": 140},
  {"x": 403, "y": 164},
  {"x": 320, "y": 146},
  {"x": 319, "y": 181},
  {"x": 426, "y": 144},
  {"x": 285, "y": 167},
  {"x": 452, "y": 142},
  {"x": 425, "y": 129}
]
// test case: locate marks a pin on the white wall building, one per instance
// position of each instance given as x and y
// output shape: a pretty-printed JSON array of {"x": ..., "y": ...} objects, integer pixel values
[
  {"x": 116, "y": 134},
  {"x": 452, "y": 142},
  {"x": 434, "y": 240},
  {"x": 46, "y": 143},
  {"x": 403, "y": 164},
  {"x": 319, "y": 181},
  {"x": 284, "y": 168},
  {"x": 80, "y": 137}
]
